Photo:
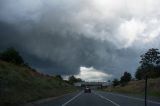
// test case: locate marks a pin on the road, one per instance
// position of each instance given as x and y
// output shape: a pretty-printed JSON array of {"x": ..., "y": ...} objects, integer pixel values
[{"x": 98, "y": 98}]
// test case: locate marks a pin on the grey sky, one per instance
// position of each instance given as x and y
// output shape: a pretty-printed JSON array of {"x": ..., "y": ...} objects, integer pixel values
[{"x": 63, "y": 36}]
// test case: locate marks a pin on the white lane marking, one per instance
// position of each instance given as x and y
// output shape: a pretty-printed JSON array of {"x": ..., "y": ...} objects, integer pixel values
[
  {"x": 135, "y": 98},
  {"x": 107, "y": 99},
  {"x": 72, "y": 99}
]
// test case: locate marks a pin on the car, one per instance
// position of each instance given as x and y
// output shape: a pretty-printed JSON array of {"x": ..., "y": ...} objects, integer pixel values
[{"x": 87, "y": 90}]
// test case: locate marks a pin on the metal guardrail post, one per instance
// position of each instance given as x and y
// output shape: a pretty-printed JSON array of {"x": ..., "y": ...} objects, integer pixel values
[{"x": 146, "y": 80}]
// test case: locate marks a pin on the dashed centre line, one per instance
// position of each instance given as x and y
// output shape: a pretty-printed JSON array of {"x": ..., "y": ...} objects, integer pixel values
[
  {"x": 72, "y": 99},
  {"x": 107, "y": 99}
]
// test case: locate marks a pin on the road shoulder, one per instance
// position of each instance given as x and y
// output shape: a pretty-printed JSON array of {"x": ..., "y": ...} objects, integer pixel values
[{"x": 48, "y": 99}]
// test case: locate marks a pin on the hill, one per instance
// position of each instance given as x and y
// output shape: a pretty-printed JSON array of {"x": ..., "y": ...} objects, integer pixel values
[
  {"x": 137, "y": 87},
  {"x": 19, "y": 85}
]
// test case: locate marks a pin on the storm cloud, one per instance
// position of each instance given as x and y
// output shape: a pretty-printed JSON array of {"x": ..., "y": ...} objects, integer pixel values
[{"x": 60, "y": 36}]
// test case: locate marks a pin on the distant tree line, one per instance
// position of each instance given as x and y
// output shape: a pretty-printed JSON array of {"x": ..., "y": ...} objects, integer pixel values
[
  {"x": 125, "y": 78},
  {"x": 71, "y": 80}
]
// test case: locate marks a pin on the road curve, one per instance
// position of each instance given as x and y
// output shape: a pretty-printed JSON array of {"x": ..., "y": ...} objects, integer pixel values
[{"x": 97, "y": 98}]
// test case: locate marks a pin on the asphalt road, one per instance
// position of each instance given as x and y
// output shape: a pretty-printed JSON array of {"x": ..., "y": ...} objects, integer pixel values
[{"x": 98, "y": 98}]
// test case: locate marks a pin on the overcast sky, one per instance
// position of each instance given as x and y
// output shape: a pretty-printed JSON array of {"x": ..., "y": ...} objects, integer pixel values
[{"x": 91, "y": 39}]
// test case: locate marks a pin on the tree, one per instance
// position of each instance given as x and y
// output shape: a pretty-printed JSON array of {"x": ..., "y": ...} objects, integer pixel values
[
  {"x": 149, "y": 65},
  {"x": 72, "y": 80},
  {"x": 151, "y": 57},
  {"x": 58, "y": 77},
  {"x": 11, "y": 55},
  {"x": 79, "y": 80},
  {"x": 139, "y": 73},
  {"x": 125, "y": 78},
  {"x": 115, "y": 82}
]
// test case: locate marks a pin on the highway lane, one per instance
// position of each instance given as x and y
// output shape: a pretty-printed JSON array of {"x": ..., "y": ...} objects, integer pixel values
[
  {"x": 125, "y": 100},
  {"x": 98, "y": 98}
]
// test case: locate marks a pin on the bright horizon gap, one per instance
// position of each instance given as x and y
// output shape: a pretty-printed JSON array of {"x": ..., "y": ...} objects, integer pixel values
[{"x": 90, "y": 74}]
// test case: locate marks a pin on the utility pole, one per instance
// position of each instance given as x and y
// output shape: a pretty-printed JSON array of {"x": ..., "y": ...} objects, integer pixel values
[{"x": 146, "y": 80}]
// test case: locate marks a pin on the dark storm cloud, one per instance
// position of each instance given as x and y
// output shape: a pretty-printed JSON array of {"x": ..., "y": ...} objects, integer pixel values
[
  {"x": 59, "y": 37},
  {"x": 56, "y": 53}
]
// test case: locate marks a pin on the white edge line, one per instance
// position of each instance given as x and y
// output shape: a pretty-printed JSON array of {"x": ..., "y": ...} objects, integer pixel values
[
  {"x": 107, "y": 99},
  {"x": 135, "y": 98},
  {"x": 72, "y": 99}
]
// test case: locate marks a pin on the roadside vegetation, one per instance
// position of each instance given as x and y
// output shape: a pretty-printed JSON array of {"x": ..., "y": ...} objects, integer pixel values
[
  {"x": 136, "y": 87},
  {"x": 19, "y": 83},
  {"x": 150, "y": 68}
]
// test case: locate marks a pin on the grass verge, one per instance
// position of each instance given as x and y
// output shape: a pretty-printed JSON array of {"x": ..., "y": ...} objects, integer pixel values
[
  {"x": 137, "y": 88},
  {"x": 19, "y": 85}
]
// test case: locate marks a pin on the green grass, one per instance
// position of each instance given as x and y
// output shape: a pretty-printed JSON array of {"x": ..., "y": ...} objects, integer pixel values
[
  {"x": 137, "y": 88},
  {"x": 19, "y": 85}
]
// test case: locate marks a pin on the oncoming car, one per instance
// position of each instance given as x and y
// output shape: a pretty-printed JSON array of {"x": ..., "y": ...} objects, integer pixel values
[{"x": 87, "y": 90}]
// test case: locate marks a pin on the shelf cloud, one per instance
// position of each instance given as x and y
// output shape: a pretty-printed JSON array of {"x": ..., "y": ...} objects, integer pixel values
[{"x": 61, "y": 36}]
